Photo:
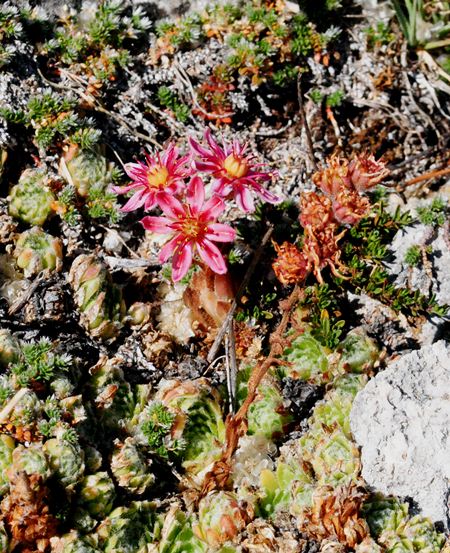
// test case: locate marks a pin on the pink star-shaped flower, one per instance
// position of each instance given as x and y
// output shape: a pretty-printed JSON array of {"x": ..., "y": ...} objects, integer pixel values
[
  {"x": 194, "y": 227},
  {"x": 235, "y": 172},
  {"x": 160, "y": 173}
]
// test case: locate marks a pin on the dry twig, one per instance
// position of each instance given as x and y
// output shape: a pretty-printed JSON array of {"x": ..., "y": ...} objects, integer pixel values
[
  {"x": 225, "y": 325},
  {"x": 236, "y": 425}
]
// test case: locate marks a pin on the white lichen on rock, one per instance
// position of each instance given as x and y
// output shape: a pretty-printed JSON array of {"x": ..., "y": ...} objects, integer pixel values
[{"x": 401, "y": 420}]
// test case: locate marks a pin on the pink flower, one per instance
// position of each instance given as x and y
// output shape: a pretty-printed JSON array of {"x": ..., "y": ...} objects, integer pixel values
[
  {"x": 234, "y": 171},
  {"x": 193, "y": 225},
  {"x": 160, "y": 173}
]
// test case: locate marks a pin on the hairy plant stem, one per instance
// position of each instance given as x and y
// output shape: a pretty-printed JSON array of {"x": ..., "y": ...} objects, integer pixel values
[{"x": 236, "y": 425}]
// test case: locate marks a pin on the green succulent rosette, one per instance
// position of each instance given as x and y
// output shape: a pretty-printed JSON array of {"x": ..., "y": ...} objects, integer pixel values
[
  {"x": 177, "y": 535},
  {"x": 335, "y": 459},
  {"x": 98, "y": 299},
  {"x": 32, "y": 460},
  {"x": 27, "y": 410},
  {"x": 185, "y": 423},
  {"x": 111, "y": 395},
  {"x": 307, "y": 360},
  {"x": 358, "y": 352},
  {"x": 87, "y": 168},
  {"x": 74, "y": 543},
  {"x": 66, "y": 460},
  {"x": 7, "y": 446},
  {"x": 37, "y": 251},
  {"x": 31, "y": 200},
  {"x": 287, "y": 486},
  {"x": 9, "y": 348},
  {"x": 96, "y": 494},
  {"x": 130, "y": 467},
  {"x": 396, "y": 532},
  {"x": 127, "y": 529},
  {"x": 267, "y": 415},
  {"x": 221, "y": 517}
]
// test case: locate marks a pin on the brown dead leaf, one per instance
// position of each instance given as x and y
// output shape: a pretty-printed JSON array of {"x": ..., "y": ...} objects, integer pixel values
[{"x": 335, "y": 515}]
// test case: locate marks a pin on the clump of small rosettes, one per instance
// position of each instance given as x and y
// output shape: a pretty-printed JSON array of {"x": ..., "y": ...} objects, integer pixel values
[
  {"x": 339, "y": 202},
  {"x": 190, "y": 219}
]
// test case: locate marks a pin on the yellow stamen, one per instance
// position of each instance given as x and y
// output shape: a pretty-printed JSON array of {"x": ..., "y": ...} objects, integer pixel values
[
  {"x": 157, "y": 176},
  {"x": 235, "y": 167}
]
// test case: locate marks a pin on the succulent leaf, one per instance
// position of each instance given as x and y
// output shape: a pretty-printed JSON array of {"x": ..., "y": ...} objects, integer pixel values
[
  {"x": 96, "y": 494},
  {"x": 98, "y": 299},
  {"x": 37, "y": 251},
  {"x": 31, "y": 200},
  {"x": 130, "y": 468},
  {"x": 66, "y": 460},
  {"x": 307, "y": 360},
  {"x": 127, "y": 529}
]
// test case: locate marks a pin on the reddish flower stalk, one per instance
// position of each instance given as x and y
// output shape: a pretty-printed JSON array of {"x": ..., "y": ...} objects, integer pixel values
[
  {"x": 159, "y": 173},
  {"x": 235, "y": 172},
  {"x": 193, "y": 227}
]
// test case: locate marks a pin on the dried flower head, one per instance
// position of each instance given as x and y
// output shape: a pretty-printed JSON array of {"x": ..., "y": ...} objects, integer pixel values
[
  {"x": 160, "y": 173},
  {"x": 336, "y": 514},
  {"x": 235, "y": 172},
  {"x": 315, "y": 210},
  {"x": 349, "y": 207},
  {"x": 291, "y": 265},
  {"x": 333, "y": 178},
  {"x": 366, "y": 172},
  {"x": 193, "y": 226},
  {"x": 322, "y": 250}
]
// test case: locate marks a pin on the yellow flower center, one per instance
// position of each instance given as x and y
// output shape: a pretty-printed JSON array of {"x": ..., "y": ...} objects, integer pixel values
[
  {"x": 191, "y": 228},
  {"x": 157, "y": 176},
  {"x": 235, "y": 167}
]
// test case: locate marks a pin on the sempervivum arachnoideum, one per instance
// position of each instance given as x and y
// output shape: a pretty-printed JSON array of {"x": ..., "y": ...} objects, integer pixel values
[
  {"x": 37, "y": 251},
  {"x": 9, "y": 348},
  {"x": 198, "y": 421},
  {"x": 85, "y": 169},
  {"x": 221, "y": 517},
  {"x": 96, "y": 494},
  {"x": 31, "y": 200},
  {"x": 98, "y": 299},
  {"x": 267, "y": 415},
  {"x": 130, "y": 467},
  {"x": 128, "y": 529}
]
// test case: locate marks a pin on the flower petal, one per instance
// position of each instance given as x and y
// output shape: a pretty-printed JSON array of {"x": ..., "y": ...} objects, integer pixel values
[
  {"x": 244, "y": 199},
  {"x": 125, "y": 189},
  {"x": 199, "y": 149},
  {"x": 182, "y": 260},
  {"x": 219, "y": 232},
  {"x": 211, "y": 255},
  {"x": 206, "y": 166},
  {"x": 136, "y": 201},
  {"x": 219, "y": 153},
  {"x": 212, "y": 208},
  {"x": 196, "y": 194},
  {"x": 169, "y": 248},
  {"x": 171, "y": 207},
  {"x": 266, "y": 195},
  {"x": 160, "y": 225}
]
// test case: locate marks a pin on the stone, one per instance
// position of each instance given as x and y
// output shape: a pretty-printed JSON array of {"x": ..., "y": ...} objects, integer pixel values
[
  {"x": 433, "y": 279},
  {"x": 401, "y": 421}
]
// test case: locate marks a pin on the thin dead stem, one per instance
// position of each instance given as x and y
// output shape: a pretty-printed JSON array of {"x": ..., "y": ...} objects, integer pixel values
[
  {"x": 225, "y": 325},
  {"x": 236, "y": 425}
]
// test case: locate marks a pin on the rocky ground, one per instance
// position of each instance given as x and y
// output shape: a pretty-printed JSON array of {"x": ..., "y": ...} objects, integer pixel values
[{"x": 286, "y": 389}]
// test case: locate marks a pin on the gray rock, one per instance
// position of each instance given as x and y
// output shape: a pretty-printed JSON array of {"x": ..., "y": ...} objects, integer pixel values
[
  {"x": 435, "y": 278},
  {"x": 401, "y": 420}
]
